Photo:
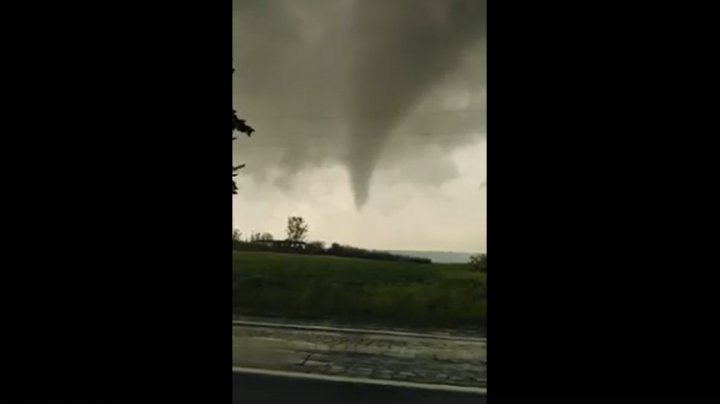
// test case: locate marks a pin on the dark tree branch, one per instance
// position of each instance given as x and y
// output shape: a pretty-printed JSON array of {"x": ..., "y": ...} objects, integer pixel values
[{"x": 241, "y": 126}]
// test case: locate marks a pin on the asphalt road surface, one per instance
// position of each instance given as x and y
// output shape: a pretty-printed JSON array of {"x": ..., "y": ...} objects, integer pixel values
[
  {"x": 270, "y": 389},
  {"x": 370, "y": 354}
]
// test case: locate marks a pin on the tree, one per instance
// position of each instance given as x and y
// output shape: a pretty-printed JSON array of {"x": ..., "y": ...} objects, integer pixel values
[
  {"x": 239, "y": 125},
  {"x": 478, "y": 262},
  {"x": 236, "y": 235},
  {"x": 316, "y": 247},
  {"x": 257, "y": 236},
  {"x": 296, "y": 230}
]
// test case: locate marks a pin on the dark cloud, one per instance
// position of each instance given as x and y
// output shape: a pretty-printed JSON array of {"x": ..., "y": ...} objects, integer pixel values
[{"x": 363, "y": 83}]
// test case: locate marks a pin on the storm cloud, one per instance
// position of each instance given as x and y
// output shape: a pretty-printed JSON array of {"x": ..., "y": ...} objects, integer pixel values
[{"x": 368, "y": 84}]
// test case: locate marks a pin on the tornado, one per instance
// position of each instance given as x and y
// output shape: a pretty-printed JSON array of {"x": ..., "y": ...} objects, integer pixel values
[{"x": 398, "y": 51}]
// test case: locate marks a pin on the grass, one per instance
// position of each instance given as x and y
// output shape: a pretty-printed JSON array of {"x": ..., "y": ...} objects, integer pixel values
[{"x": 358, "y": 290}]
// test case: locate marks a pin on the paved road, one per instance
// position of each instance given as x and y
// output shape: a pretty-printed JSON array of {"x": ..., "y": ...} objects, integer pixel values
[
  {"x": 268, "y": 389},
  {"x": 378, "y": 355}
]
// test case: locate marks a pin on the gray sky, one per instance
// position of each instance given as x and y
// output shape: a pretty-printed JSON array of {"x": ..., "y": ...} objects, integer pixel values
[{"x": 370, "y": 119}]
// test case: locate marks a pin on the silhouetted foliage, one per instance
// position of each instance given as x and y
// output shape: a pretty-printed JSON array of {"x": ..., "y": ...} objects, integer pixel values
[
  {"x": 236, "y": 235},
  {"x": 479, "y": 262},
  {"x": 239, "y": 125},
  {"x": 254, "y": 236},
  {"x": 279, "y": 246},
  {"x": 318, "y": 248},
  {"x": 296, "y": 229},
  {"x": 354, "y": 252}
]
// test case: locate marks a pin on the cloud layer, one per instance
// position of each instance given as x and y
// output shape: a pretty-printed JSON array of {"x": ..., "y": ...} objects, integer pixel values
[{"x": 395, "y": 85}]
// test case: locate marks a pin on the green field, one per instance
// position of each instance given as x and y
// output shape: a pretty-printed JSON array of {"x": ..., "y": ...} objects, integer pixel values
[{"x": 358, "y": 290}]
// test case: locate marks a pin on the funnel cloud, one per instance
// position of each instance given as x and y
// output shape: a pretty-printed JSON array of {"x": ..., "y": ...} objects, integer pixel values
[
  {"x": 399, "y": 49},
  {"x": 368, "y": 84}
]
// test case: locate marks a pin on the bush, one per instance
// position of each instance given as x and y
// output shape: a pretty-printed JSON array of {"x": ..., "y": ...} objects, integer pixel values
[{"x": 478, "y": 262}]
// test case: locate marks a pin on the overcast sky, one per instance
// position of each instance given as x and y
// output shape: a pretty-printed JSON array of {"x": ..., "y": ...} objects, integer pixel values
[{"x": 370, "y": 120}]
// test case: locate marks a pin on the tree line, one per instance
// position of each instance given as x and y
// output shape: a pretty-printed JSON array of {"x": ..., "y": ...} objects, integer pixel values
[{"x": 296, "y": 231}]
